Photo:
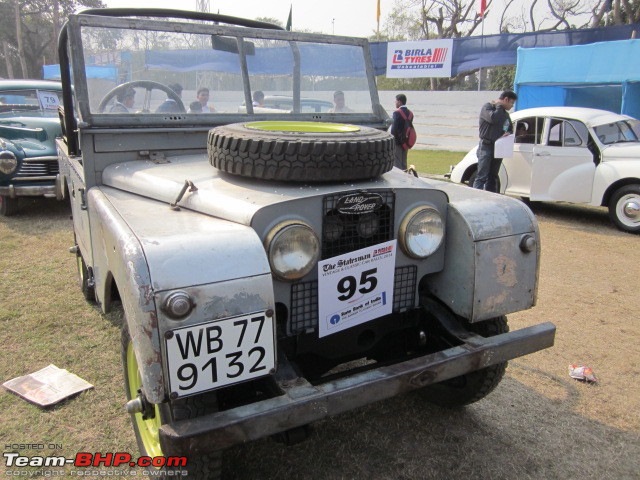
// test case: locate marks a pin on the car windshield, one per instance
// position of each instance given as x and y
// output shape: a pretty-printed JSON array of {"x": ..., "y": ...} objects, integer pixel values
[
  {"x": 29, "y": 100},
  {"x": 134, "y": 71},
  {"x": 618, "y": 132}
]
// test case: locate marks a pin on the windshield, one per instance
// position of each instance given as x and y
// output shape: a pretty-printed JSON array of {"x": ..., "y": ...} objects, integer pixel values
[
  {"x": 30, "y": 100},
  {"x": 618, "y": 132},
  {"x": 147, "y": 72}
]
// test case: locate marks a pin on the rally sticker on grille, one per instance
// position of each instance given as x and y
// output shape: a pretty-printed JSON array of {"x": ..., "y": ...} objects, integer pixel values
[{"x": 356, "y": 287}]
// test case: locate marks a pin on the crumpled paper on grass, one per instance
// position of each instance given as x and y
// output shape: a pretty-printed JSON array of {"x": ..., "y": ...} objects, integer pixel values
[{"x": 583, "y": 373}]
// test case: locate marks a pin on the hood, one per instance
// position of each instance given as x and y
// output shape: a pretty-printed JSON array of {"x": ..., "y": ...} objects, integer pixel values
[
  {"x": 228, "y": 196},
  {"x": 622, "y": 151},
  {"x": 31, "y": 136}
]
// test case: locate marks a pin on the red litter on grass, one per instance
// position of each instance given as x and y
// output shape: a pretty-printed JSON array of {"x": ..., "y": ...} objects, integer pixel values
[{"x": 583, "y": 373}]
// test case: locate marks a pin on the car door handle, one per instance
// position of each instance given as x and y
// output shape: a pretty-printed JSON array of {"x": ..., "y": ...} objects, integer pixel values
[{"x": 543, "y": 154}]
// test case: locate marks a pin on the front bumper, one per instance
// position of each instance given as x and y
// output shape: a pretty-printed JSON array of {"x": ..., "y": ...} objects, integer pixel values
[
  {"x": 304, "y": 403},
  {"x": 14, "y": 191}
]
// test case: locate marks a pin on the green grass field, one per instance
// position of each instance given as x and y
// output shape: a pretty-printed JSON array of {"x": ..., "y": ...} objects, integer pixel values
[{"x": 434, "y": 162}]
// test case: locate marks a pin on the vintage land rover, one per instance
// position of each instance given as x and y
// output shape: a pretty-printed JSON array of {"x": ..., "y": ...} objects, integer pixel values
[{"x": 273, "y": 267}]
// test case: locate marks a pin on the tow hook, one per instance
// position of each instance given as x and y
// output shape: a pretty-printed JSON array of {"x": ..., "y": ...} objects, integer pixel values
[{"x": 141, "y": 405}]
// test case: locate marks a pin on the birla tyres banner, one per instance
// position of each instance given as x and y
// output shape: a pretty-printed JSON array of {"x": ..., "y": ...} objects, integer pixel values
[{"x": 426, "y": 58}]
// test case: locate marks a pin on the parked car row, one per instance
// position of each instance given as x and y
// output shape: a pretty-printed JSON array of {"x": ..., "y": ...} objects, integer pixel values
[{"x": 570, "y": 154}]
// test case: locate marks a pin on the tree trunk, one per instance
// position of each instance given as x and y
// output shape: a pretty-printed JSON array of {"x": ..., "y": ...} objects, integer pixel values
[
  {"x": 23, "y": 63},
  {"x": 7, "y": 59},
  {"x": 56, "y": 27}
]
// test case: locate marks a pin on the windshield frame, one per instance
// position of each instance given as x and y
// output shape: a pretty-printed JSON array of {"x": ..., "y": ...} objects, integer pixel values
[{"x": 73, "y": 42}]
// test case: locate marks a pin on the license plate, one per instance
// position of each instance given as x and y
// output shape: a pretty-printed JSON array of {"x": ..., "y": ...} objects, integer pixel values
[{"x": 214, "y": 354}]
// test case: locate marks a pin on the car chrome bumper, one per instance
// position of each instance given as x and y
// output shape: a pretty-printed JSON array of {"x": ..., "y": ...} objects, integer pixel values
[
  {"x": 304, "y": 403},
  {"x": 14, "y": 191}
]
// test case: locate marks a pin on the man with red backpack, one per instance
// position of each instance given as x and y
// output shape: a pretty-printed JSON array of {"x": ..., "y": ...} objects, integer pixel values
[{"x": 402, "y": 130}]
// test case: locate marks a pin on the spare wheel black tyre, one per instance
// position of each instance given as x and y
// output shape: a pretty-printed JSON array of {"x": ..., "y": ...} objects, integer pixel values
[{"x": 301, "y": 151}]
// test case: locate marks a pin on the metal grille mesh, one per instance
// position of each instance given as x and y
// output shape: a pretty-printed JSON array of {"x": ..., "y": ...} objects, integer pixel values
[
  {"x": 304, "y": 299},
  {"x": 343, "y": 233}
]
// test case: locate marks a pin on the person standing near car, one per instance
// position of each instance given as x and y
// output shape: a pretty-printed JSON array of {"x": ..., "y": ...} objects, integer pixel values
[
  {"x": 398, "y": 128},
  {"x": 203, "y": 97},
  {"x": 495, "y": 123}
]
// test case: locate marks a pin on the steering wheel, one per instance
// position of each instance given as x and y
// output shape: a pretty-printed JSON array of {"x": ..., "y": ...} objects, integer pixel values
[{"x": 148, "y": 85}]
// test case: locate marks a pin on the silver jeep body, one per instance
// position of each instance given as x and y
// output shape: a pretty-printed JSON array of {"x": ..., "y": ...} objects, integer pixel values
[{"x": 188, "y": 249}]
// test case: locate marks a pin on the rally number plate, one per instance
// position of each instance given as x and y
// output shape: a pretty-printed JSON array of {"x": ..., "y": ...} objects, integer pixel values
[{"x": 214, "y": 354}]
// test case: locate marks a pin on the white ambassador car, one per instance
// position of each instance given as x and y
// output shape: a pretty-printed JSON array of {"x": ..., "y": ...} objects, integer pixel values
[{"x": 571, "y": 154}]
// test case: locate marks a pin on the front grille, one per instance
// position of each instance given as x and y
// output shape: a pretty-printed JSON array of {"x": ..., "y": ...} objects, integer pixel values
[
  {"x": 304, "y": 299},
  {"x": 343, "y": 233},
  {"x": 38, "y": 168}
]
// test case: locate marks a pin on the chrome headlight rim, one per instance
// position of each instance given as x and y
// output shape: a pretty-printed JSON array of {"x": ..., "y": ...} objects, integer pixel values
[
  {"x": 408, "y": 221},
  {"x": 275, "y": 235},
  {"x": 8, "y": 162}
]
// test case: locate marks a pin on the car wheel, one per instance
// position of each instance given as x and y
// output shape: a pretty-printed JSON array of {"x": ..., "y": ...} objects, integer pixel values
[
  {"x": 472, "y": 178},
  {"x": 624, "y": 208},
  {"x": 474, "y": 386},
  {"x": 8, "y": 206},
  {"x": 146, "y": 425},
  {"x": 301, "y": 151},
  {"x": 85, "y": 280}
]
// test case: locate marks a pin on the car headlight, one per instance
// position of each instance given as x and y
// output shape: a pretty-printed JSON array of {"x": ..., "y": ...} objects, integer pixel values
[
  {"x": 8, "y": 162},
  {"x": 293, "y": 249},
  {"x": 421, "y": 232}
]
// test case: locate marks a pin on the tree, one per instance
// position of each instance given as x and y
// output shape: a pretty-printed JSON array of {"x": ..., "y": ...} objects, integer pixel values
[
  {"x": 29, "y": 32},
  {"x": 616, "y": 12},
  {"x": 434, "y": 19}
]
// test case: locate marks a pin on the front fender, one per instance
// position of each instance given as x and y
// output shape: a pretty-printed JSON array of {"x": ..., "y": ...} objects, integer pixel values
[
  {"x": 149, "y": 250},
  {"x": 613, "y": 173},
  {"x": 487, "y": 272}
]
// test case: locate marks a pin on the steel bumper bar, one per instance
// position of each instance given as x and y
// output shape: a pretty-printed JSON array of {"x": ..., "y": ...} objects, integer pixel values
[
  {"x": 303, "y": 403},
  {"x": 14, "y": 191}
]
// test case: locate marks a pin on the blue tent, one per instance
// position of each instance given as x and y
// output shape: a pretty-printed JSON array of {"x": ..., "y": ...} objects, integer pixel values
[
  {"x": 108, "y": 72},
  {"x": 602, "y": 75}
]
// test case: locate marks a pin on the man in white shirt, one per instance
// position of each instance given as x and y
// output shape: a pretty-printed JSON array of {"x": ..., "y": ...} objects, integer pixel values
[{"x": 203, "y": 97}]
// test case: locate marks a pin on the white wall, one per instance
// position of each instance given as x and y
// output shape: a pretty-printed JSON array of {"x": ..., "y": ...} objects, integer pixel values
[{"x": 443, "y": 120}]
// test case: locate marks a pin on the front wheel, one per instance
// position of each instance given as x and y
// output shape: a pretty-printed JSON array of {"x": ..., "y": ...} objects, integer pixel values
[
  {"x": 624, "y": 208},
  {"x": 8, "y": 206},
  {"x": 146, "y": 424},
  {"x": 474, "y": 386}
]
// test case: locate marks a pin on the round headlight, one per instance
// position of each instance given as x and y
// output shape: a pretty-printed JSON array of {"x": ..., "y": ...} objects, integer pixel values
[
  {"x": 293, "y": 250},
  {"x": 8, "y": 162},
  {"x": 421, "y": 232}
]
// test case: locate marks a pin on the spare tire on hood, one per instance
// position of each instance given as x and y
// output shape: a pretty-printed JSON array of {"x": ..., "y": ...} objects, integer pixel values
[{"x": 301, "y": 151}]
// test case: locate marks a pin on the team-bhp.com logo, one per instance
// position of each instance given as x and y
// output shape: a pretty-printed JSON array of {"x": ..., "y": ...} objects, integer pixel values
[
  {"x": 419, "y": 58},
  {"x": 93, "y": 460}
]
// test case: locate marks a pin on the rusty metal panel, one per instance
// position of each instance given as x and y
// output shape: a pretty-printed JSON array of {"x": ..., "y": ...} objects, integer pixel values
[
  {"x": 486, "y": 273},
  {"x": 185, "y": 248}
]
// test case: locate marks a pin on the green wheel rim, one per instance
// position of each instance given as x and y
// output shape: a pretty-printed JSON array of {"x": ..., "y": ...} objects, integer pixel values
[
  {"x": 303, "y": 127},
  {"x": 147, "y": 429}
]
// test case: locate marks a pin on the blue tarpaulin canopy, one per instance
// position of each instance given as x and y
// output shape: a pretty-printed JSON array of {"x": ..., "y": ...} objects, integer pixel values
[
  {"x": 108, "y": 72},
  {"x": 316, "y": 59},
  {"x": 602, "y": 75}
]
